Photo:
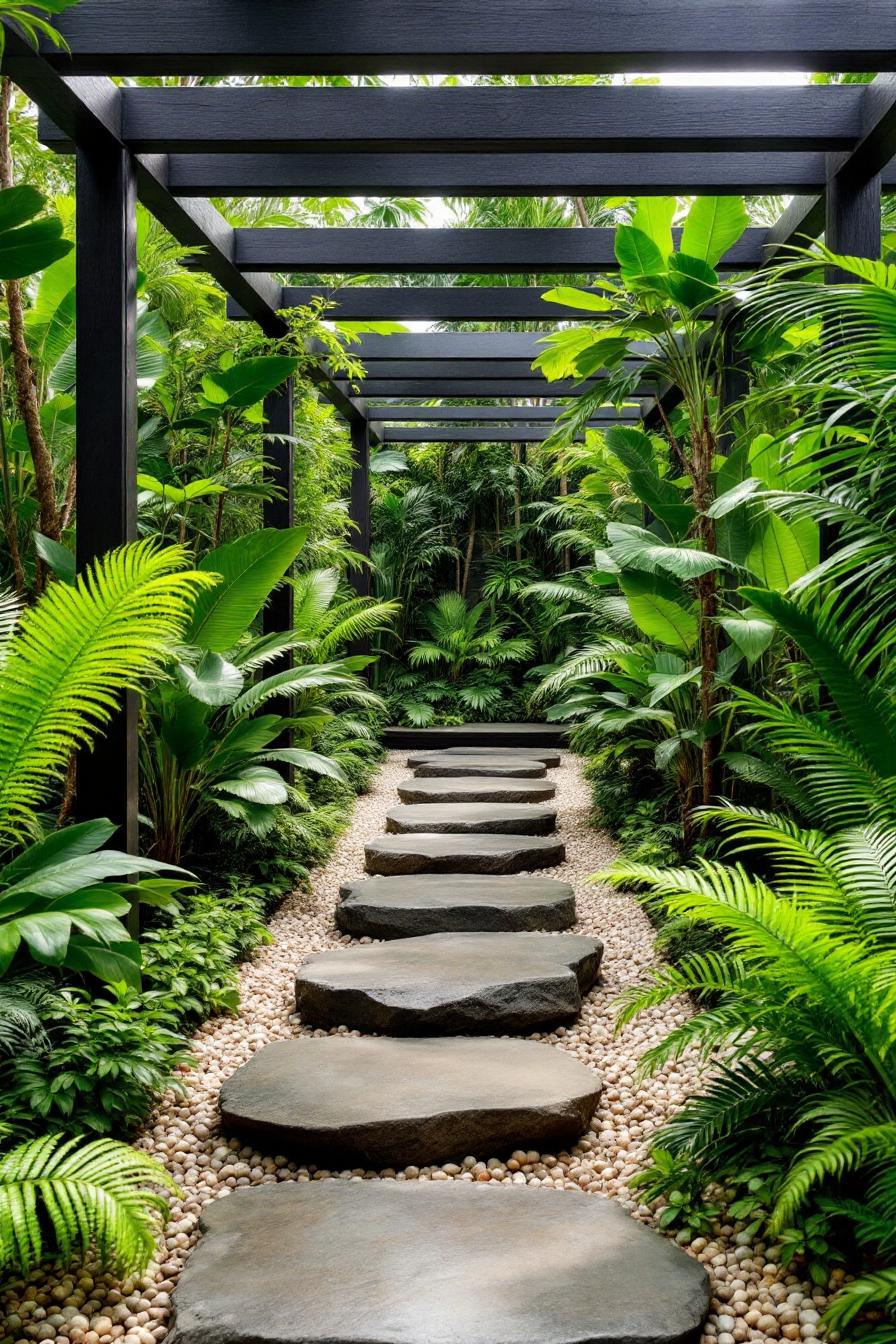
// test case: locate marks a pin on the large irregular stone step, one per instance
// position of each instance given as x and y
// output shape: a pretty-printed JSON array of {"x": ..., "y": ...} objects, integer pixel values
[
  {"x": 473, "y": 789},
  {"x": 426, "y": 852},
  {"x": 381, "y": 1102},
  {"x": 478, "y": 735},
  {"x": 547, "y": 755},
  {"x": 432, "y": 1262},
  {"x": 450, "y": 983},
  {"x": 448, "y": 767},
  {"x": 407, "y": 907},
  {"x": 464, "y": 818}
]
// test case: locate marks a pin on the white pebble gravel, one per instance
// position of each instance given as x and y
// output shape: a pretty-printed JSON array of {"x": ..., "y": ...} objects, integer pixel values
[{"x": 754, "y": 1301}]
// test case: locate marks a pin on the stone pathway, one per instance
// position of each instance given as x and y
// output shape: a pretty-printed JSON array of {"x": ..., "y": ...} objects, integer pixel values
[
  {"x": 435, "y": 1264},
  {"x": 755, "y": 1300}
]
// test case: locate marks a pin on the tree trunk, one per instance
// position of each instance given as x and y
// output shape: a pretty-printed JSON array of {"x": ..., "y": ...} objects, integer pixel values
[
  {"x": 468, "y": 561},
  {"x": 703, "y": 447},
  {"x": 567, "y": 556},
  {"x": 517, "y": 504},
  {"x": 27, "y": 401}
]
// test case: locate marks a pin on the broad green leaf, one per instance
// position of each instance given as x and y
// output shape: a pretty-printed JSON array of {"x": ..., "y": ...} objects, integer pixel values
[
  {"x": 115, "y": 965},
  {"x": 255, "y": 784},
  {"x": 783, "y": 552},
  {"x": 656, "y": 612},
  {"x": 28, "y": 244},
  {"x": 734, "y": 498},
  {"x": 585, "y": 299},
  {"x": 46, "y": 935},
  {"x": 250, "y": 569},
  {"x": 10, "y": 941},
  {"x": 213, "y": 682},
  {"x": 56, "y": 557},
  {"x": 636, "y": 547},
  {"x": 71, "y": 842},
  {"x": 751, "y": 631},
  {"x": 637, "y": 253},
  {"x": 665, "y": 684},
  {"x": 713, "y": 224},
  {"x": 653, "y": 216},
  {"x": 692, "y": 282},
  {"x": 245, "y": 384},
  {"x": 558, "y": 359}
]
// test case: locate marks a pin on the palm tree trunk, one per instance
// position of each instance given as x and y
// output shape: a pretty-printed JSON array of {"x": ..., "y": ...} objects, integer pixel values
[
  {"x": 27, "y": 401},
  {"x": 468, "y": 561},
  {"x": 517, "y": 503}
]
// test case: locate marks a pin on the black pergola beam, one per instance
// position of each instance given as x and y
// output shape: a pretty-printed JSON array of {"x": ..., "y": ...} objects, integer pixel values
[
  {"x": 474, "y": 370},
  {"x": 648, "y": 119},
  {"x": 491, "y": 347},
  {"x": 220, "y": 37},
  {"x": 487, "y": 434},
  {"x": 416, "y": 303},
  {"x": 548, "y": 174},
  {"x": 468, "y": 389},
  {"x": 489, "y": 415},
  {"x": 89, "y": 113},
  {"x": 449, "y": 251},
  {"x": 870, "y": 162}
]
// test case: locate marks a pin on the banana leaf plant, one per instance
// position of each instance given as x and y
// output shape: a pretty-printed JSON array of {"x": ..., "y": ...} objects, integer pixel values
[
  {"x": 662, "y": 308},
  {"x": 216, "y": 726}
]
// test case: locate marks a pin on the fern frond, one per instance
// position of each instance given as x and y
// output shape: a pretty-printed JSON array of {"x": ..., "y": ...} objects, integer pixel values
[
  {"x": 95, "y": 1197},
  {"x": 73, "y": 655}
]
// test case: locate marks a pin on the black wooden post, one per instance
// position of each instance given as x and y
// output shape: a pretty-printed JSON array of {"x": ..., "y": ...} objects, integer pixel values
[
  {"x": 360, "y": 501},
  {"x": 279, "y": 512},
  {"x": 279, "y": 454},
  {"x": 852, "y": 228},
  {"x": 106, "y": 439},
  {"x": 852, "y": 217},
  {"x": 735, "y": 380}
]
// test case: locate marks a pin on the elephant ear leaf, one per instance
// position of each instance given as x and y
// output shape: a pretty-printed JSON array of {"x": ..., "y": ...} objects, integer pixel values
[
  {"x": 658, "y": 612},
  {"x": 713, "y": 225},
  {"x": 29, "y": 242},
  {"x": 249, "y": 569}
]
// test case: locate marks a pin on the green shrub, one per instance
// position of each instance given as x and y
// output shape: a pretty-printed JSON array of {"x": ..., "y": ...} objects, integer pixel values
[
  {"x": 104, "y": 1062},
  {"x": 192, "y": 962}
]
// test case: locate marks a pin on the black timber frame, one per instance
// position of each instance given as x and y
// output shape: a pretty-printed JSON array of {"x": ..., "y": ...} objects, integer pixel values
[{"x": 172, "y": 148}]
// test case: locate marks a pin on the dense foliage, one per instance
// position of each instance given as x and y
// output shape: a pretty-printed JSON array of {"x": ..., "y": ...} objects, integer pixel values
[{"x": 707, "y": 599}]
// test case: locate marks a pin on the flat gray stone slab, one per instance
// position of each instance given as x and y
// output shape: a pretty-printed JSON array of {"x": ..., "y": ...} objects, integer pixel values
[
  {"x": 547, "y": 756},
  {"x": 476, "y": 789},
  {"x": 467, "y": 818},
  {"x": 426, "y": 852},
  {"x": 450, "y": 983},
  {"x": 407, "y": 907},
  {"x": 447, "y": 767},
  {"x": 381, "y": 1102},
  {"x": 478, "y": 735},
  {"x": 432, "y": 1262}
]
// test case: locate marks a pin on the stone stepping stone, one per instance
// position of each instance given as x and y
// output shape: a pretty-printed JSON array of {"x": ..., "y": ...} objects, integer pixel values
[
  {"x": 407, "y": 907},
  {"x": 466, "y": 818},
  {"x": 478, "y": 735},
  {"x": 380, "y": 1102},
  {"x": 432, "y": 1262},
  {"x": 447, "y": 767},
  {"x": 476, "y": 789},
  {"x": 450, "y": 983},
  {"x": 547, "y": 756},
  {"x": 426, "y": 852}
]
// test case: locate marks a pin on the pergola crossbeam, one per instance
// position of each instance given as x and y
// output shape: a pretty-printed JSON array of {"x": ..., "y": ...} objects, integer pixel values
[
  {"x": 509, "y": 251},
  {"x": 226, "y": 37},
  {"x": 648, "y": 119}
]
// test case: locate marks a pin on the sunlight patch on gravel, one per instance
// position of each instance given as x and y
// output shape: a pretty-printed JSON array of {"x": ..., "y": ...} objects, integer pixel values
[{"x": 754, "y": 1300}]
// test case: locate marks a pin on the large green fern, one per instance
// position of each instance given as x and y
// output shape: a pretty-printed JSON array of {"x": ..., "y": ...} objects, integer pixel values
[
  {"x": 63, "y": 1197},
  {"x": 70, "y": 658}
]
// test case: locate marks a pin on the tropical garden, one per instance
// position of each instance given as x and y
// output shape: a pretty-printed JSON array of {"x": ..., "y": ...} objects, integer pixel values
[{"x": 707, "y": 600}]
